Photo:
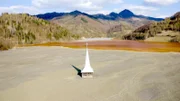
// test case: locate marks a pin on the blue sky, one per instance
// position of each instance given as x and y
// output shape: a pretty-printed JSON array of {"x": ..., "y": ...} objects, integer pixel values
[{"x": 155, "y": 8}]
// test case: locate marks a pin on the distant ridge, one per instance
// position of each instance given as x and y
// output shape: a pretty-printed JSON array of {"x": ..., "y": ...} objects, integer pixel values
[{"x": 125, "y": 14}]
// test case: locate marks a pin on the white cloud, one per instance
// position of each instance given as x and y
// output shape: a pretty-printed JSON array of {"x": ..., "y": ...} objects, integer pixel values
[
  {"x": 43, "y": 6},
  {"x": 115, "y": 1},
  {"x": 20, "y": 9},
  {"x": 84, "y": 5},
  {"x": 160, "y": 2}
]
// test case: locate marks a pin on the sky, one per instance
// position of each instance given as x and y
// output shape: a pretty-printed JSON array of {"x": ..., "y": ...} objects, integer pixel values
[{"x": 154, "y": 8}]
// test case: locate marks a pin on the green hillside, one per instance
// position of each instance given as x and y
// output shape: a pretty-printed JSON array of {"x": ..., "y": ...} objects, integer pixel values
[{"x": 25, "y": 29}]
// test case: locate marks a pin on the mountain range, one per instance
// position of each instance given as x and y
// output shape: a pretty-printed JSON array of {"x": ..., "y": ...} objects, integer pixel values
[
  {"x": 99, "y": 25},
  {"x": 112, "y": 16}
]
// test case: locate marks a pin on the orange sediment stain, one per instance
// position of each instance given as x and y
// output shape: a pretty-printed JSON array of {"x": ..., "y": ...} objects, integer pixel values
[{"x": 140, "y": 46}]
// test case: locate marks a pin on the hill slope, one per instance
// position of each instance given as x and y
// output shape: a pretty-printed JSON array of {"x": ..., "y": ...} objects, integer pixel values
[
  {"x": 82, "y": 25},
  {"x": 170, "y": 27},
  {"x": 88, "y": 27},
  {"x": 25, "y": 29},
  {"x": 98, "y": 25}
]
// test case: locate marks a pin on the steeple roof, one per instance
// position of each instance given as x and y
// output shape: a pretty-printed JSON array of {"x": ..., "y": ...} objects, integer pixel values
[{"x": 87, "y": 66}]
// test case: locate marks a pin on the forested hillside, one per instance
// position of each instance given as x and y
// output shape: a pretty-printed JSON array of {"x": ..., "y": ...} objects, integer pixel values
[
  {"x": 25, "y": 29},
  {"x": 170, "y": 27}
]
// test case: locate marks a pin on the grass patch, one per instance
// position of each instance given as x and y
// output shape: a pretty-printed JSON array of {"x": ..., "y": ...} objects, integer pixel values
[{"x": 84, "y": 20}]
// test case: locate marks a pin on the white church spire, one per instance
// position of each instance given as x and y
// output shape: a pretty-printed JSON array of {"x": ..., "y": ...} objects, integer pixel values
[{"x": 87, "y": 66}]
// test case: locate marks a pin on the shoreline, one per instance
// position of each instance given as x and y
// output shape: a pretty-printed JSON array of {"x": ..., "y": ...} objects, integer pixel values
[{"x": 138, "y": 46}]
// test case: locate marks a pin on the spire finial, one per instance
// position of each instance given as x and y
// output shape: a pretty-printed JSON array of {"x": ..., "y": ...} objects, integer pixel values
[{"x": 86, "y": 45}]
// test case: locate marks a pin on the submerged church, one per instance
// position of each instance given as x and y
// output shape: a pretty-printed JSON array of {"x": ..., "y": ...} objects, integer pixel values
[{"x": 87, "y": 71}]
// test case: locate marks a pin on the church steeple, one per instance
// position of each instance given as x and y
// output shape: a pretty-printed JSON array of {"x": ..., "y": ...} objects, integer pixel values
[{"x": 87, "y": 70}]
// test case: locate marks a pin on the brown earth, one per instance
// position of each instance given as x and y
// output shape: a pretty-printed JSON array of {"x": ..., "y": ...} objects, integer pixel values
[
  {"x": 46, "y": 74},
  {"x": 120, "y": 45}
]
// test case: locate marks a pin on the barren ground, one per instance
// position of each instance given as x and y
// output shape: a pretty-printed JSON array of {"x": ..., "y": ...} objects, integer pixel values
[{"x": 46, "y": 74}]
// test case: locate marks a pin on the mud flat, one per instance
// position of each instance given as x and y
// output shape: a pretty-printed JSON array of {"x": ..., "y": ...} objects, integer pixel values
[
  {"x": 108, "y": 44},
  {"x": 47, "y": 74}
]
